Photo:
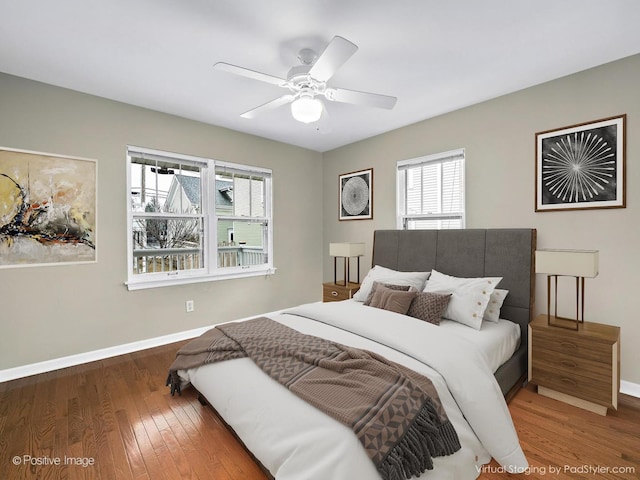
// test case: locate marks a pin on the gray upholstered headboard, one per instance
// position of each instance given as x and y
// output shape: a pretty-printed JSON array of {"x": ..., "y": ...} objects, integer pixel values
[{"x": 507, "y": 253}]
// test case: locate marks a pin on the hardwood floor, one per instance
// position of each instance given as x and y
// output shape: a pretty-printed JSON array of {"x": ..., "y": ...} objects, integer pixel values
[
  {"x": 565, "y": 442},
  {"x": 118, "y": 415},
  {"x": 115, "y": 419}
]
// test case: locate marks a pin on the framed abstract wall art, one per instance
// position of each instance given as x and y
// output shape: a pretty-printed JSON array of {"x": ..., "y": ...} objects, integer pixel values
[
  {"x": 47, "y": 209},
  {"x": 356, "y": 195},
  {"x": 581, "y": 166}
]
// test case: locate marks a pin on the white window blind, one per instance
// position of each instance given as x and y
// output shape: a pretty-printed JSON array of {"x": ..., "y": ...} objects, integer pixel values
[{"x": 431, "y": 191}]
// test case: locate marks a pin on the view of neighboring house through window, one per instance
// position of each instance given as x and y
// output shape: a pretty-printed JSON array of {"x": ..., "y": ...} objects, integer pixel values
[
  {"x": 431, "y": 191},
  {"x": 196, "y": 219},
  {"x": 240, "y": 212}
]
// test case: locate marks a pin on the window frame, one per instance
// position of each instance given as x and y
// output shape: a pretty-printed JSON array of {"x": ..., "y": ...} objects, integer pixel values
[
  {"x": 403, "y": 166},
  {"x": 209, "y": 241}
]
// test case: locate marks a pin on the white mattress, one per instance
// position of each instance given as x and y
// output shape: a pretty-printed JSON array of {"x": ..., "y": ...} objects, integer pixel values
[
  {"x": 295, "y": 441},
  {"x": 497, "y": 341}
]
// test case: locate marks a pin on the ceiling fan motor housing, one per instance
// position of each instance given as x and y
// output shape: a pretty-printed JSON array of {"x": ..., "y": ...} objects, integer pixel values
[{"x": 301, "y": 83}]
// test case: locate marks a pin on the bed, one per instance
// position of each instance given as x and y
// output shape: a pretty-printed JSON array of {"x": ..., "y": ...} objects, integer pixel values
[{"x": 471, "y": 369}]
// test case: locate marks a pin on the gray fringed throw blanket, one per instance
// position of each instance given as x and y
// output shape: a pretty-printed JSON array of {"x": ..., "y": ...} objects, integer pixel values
[{"x": 395, "y": 413}]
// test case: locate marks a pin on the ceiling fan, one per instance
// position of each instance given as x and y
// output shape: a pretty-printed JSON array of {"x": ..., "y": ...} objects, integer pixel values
[{"x": 308, "y": 81}]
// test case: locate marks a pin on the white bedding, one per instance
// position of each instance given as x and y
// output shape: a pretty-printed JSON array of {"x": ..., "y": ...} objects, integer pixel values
[
  {"x": 295, "y": 441},
  {"x": 497, "y": 341}
]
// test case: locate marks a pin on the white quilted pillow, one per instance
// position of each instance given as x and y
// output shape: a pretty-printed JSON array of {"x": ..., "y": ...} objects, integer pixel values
[
  {"x": 469, "y": 296},
  {"x": 492, "y": 313}
]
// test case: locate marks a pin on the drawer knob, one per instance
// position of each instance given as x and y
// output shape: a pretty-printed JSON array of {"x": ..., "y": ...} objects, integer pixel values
[
  {"x": 334, "y": 293},
  {"x": 569, "y": 381},
  {"x": 568, "y": 345},
  {"x": 568, "y": 363}
]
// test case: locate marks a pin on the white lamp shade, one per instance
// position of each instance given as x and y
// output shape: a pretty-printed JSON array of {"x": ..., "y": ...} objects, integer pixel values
[
  {"x": 346, "y": 249},
  {"x": 574, "y": 263},
  {"x": 306, "y": 109}
]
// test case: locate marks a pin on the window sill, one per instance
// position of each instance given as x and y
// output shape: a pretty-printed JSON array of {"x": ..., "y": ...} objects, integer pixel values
[{"x": 170, "y": 282}]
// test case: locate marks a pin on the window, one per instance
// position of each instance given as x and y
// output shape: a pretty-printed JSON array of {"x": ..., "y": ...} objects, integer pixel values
[
  {"x": 431, "y": 191},
  {"x": 193, "y": 219}
]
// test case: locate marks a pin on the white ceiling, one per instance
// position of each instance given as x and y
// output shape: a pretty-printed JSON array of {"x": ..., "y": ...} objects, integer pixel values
[{"x": 435, "y": 56}]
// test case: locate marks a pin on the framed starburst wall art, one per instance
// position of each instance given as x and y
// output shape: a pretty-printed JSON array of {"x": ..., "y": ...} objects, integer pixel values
[
  {"x": 47, "y": 209},
  {"x": 581, "y": 166},
  {"x": 356, "y": 195}
]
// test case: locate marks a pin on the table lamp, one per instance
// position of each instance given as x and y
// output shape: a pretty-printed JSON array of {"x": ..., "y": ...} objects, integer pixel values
[
  {"x": 345, "y": 250},
  {"x": 580, "y": 264}
]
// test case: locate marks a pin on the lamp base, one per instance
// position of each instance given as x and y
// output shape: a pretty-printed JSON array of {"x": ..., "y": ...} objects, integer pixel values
[
  {"x": 347, "y": 274},
  {"x": 563, "y": 322},
  {"x": 568, "y": 323}
]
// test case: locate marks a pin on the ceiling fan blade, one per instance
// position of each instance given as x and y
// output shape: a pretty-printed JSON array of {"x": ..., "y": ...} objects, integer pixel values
[
  {"x": 245, "y": 72},
  {"x": 269, "y": 106},
  {"x": 360, "y": 98},
  {"x": 337, "y": 52}
]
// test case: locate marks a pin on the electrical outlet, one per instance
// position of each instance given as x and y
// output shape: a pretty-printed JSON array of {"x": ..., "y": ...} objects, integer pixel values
[{"x": 188, "y": 305}]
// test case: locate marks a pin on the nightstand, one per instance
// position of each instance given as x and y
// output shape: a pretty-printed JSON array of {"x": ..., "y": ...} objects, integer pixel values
[
  {"x": 578, "y": 367},
  {"x": 333, "y": 292}
]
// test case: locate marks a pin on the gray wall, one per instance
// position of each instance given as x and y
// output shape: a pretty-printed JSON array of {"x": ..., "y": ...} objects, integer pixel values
[
  {"x": 499, "y": 138},
  {"x": 54, "y": 311}
]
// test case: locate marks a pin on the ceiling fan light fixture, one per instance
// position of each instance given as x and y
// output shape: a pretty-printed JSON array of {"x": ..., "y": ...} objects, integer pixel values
[{"x": 306, "y": 109}]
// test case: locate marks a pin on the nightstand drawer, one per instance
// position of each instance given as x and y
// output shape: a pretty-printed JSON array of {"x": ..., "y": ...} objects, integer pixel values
[
  {"x": 569, "y": 365},
  {"x": 572, "y": 384},
  {"x": 332, "y": 292},
  {"x": 572, "y": 345}
]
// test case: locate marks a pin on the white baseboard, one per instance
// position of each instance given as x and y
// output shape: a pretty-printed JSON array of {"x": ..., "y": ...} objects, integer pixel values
[
  {"x": 72, "y": 360},
  {"x": 78, "y": 359},
  {"x": 629, "y": 388}
]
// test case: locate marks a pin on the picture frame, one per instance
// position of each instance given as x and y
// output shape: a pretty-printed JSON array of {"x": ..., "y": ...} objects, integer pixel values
[
  {"x": 48, "y": 209},
  {"x": 356, "y": 195},
  {"x": 581, "y": 166}
]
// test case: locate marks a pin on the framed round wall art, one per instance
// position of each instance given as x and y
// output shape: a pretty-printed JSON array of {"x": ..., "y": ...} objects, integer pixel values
[{"x": 356, "y": 195}]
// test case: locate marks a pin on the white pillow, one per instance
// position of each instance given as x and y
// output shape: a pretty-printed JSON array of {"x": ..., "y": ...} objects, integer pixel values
[
  {"x": 492, "y": 313},
  {"x": 394, "y": 277},
  {"x": 469, "y": 296}
]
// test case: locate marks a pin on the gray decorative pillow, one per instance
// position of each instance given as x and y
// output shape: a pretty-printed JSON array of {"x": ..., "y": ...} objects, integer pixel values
[
  {"x": 429, "y": 306},
  {"x": 403, "y": 288},
  {"x": 393, "y": 300}
]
